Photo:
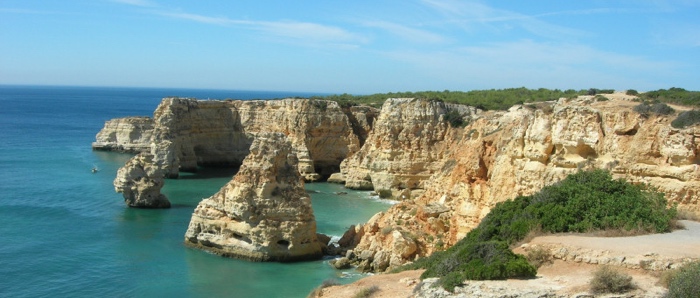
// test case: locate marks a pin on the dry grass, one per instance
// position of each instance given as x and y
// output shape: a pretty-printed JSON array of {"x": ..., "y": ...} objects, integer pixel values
[
  {"x": 687, "y": 215},
  {"x": 367, "y": 292},
  {"x": 608, "y": 280},
  {"x": 539, "y": 256},
  {"x": 318, "y": 291}
]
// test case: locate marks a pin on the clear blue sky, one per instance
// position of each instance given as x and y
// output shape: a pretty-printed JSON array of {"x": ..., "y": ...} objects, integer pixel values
[{"x": 352, "y": 46}]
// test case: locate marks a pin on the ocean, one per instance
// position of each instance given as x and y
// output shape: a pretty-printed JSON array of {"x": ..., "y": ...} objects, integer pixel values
[{"x": 66, "y": 233}]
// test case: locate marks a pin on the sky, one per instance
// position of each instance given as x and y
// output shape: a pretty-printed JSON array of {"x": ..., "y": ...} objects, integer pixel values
[{"x": 357, "y": 47}]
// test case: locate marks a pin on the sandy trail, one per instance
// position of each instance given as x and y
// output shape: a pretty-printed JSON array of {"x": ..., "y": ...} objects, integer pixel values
[
  {"x": 677, "y": 244},
  {"x": 567, "y": 278}
]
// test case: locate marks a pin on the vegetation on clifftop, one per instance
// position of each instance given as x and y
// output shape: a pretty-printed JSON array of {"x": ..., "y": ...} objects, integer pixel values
[
  {"x": 673, "y": 95},
  {"x": 494, "y": 99},
  {"x": 583, "y": 202},
  {"x": 502, "y": 99}
]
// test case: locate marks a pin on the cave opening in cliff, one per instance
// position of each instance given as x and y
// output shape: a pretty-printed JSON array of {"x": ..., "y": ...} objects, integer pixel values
[
  {"x": 283, "y": 243},
  {"x": 206, "y": 172}
]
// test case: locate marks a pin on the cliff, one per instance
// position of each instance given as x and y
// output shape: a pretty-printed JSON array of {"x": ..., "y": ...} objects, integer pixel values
[
  {"x": 129, "y": 134},
  {"x": 187, "y": 133},
  {"x": 264, "y": 213},
  {"x": 406, "y": 146},
  {"x": 501, "y": 155}
]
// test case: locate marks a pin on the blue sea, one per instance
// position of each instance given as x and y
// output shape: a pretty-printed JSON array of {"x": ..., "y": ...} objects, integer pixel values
[{"x": 65, "y": 232}]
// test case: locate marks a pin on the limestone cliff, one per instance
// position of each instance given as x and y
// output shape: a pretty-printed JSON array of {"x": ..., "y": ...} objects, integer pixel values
[
  {"x": 140, "y": 183},
  {"x": 189, "y": 133},
  {"x": 129, "y": 134},
  {"x": 406, "y": 146},
  {"x": 264, "y": 213},
  {"x": 501, "y": 155}
]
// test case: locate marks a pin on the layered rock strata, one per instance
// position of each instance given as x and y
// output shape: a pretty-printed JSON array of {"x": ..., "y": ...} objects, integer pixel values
[
  {"x": 140, "y": 182},
  {"x": 129, "y": 134},
  {"x": 406, "y": 146},
  {"x": 264, "y": 213},
  {"x": 501, "y": 155},
  {"x": 187, "y": 133}
]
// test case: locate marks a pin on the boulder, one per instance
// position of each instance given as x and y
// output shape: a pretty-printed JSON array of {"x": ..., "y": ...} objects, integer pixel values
[{"x": 140, "y": 182}]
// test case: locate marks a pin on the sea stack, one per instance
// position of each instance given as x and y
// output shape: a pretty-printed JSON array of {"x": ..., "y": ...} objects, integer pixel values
[
  {"x": 140, "y": 181},
  {"x": 263, "y": 213}
]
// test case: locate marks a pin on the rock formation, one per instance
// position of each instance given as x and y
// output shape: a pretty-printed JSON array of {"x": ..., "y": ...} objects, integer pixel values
[
  {"x": 406, "y": 146},
  {"x": 129, "y": 134},
  {"x": 140, "y": 182},
  {"x": 264, "y": 213},
  {"x": 187, "y": 133},
  {"x": 501, "y": 155},
  {"x": 449, "y": 177}
]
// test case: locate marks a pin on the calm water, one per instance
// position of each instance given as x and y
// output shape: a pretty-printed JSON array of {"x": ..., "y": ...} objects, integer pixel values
[{"x": 65, "y": 232}]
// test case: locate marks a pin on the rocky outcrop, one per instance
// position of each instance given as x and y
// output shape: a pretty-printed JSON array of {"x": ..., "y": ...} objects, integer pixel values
[
  {"x": 185, "y": 136},
  {"x": 129, "y": 134},
  {"x": 501, "y": 155},
  {"x": 406, "y": 146},
  {"x": 140, "y": 183},
  {"x": 264, "y": 213}
]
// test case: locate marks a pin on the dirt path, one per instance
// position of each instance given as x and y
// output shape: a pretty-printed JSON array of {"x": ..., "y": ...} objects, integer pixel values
[
  {"x": 563, "y": 277},
  {"x": 678, "y": 244}
]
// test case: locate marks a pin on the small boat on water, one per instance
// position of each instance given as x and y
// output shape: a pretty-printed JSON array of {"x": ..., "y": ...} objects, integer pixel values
[{"x": 95, "y": 170}]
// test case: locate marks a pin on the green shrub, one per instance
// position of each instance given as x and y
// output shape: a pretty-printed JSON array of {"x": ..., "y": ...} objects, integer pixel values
[
  {"x": 685, "y": 282},
  {"x": 686, "y": 119},
  {"x": 608, "y": 280},
  {"x": 673, "y": 95},
  {"x": 658, "y": 108},
  {"x": 454, "y": 118},
  {"x": 632, "y": 92},
  {"x": 486, "y": 260}
]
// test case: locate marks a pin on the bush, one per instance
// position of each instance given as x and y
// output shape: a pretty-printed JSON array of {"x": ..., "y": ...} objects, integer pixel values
[
  {"x": 608, "y": 280},
  {"x": 686, "y": 119},
  {"x": 673, "y": 95},
  {"x": 454, "y": 118},
  {"x": 318, "y": 290},
  {"x": 657, "y": 108},
  {"x": 539, "y": 256},
  {"x": 486, "y": 260},
  {"x": 685, "y": 282},
  {"x": 366, "y": 292},
  {"x": 632, "y": 92}
]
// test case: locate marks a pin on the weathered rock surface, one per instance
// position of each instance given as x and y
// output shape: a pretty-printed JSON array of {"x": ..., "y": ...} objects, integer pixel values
[
  {"x": 264, "y": 213},
  {"x": 140, "y": 183},
  {"x": 501, "y": 155},
  {"x": 129, "y": 134},
  {"x": 187, "y": 133},
  {"x": 406, "y": 146}
]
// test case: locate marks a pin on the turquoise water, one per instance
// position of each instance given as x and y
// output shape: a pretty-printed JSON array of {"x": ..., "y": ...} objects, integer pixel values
[{"x": 65, "y": 232}]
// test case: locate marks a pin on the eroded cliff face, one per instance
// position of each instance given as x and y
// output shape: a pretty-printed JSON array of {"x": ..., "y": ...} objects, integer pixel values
[
  {"x": 264, "y": 213},
  {"x": 501, "y": 155},
  {"x": 406, "y": 146},
  {"x": 129, "y": 134},
  {"x": 190, "y": 133}
]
